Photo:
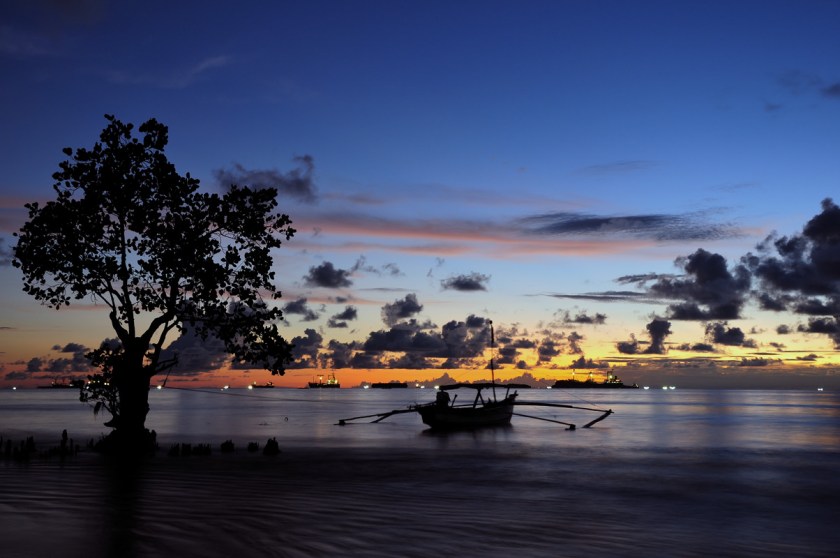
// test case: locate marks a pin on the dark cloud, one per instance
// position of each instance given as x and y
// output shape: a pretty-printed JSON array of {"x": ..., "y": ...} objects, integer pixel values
[
  {"x": 825, "y": 326},
  {"x": 610, "y": 296},
  {"x": 412, "y": 361},
  {"x": 195, "y": 355},
  {"x": 628, "y": 347},
  {"x": 466, "y": 339},
  {"x": 812, "y": 357},
  {"x": 507, "y": 354},
  {"x": 524, "y": 344},
  {"x": 475, "y": 321},
  {"x": 581, "y": 318},
  {"x": 469, "y": 282},
  {"x": 305, "y": 350},
  {"x": 697, "y": 348},
  {"x": 341, "y": 319},
  {"x": 338, "y": 354},
  {"x": 692, "y": 226},
  {"x": 583, "y": 363},
  {"x": 658, "y": 329},
  {"x": 720, "y": 334},
  {"x": 325, "y": 275},
  {"x": 401, "y": 309},
  {"x": 547, "y": 350},
  {"x": 34, "y": 365},
  {"x": 405, "y": 337},
  {"x": 367, "y": 360},
  {"x": 801, "y": 273},
  {"x": 300, "y": 307},
  {"x": 757, "y": 362},
  {"x": 574, "y": 339},
  {"x": 77, "y": 363},
  {"x": 783, "y": 329},
  {"x": 708, "y": 291},
  {"x": 297, "y": 183}
]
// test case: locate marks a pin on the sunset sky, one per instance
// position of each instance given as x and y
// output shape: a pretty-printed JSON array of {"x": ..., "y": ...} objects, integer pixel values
[{"x": 589, "y": 175}]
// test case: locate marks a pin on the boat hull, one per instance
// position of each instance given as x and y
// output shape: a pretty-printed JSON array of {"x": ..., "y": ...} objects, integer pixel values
[{"x": 468, "y": 417}]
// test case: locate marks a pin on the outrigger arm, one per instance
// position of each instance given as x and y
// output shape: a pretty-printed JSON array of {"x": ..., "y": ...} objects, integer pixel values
[
  {"x": 599, "y": 419},
  {"x": 569, "y": 424},
  {"x": 382, "y": 416}
]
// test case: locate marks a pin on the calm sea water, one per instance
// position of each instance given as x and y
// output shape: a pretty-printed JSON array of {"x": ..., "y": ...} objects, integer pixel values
[{"x": 678, "y": 473}]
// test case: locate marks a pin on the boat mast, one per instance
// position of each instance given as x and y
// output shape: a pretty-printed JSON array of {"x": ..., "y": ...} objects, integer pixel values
[{"x": 492, "y": 370}]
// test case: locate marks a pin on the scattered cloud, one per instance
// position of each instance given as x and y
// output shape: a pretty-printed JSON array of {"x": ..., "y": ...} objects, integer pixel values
[
  {"x": 195, "y": 355},
  {"x": 340, "y": 320},
  {"x": 297, "y": 183},
  {"x": 306, "y": 348},
  {"x": 469, "y": 282},
  {"x": 583, "y": 364},
  {"x": 801, "y": 272},
  {"x": 389, "y": 269},
  {"x": 401, "y": 309},
  {"x": 657, "y": 227},
  {"x": 327, "y": 276},
  {"x": 707, "y": 291},
  {"x": 301, "y": 308},
  {"x": 658, "y": 329},
  {"x": 719, "y": 333},
  {"x": 565, "y": 318}
]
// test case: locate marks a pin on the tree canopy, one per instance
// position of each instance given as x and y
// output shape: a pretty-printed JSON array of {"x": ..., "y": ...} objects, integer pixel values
[{"x": 128, "y": 232}]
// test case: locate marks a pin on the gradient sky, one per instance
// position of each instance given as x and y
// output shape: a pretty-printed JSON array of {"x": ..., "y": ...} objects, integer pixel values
[{"x": 588, "y": 175}]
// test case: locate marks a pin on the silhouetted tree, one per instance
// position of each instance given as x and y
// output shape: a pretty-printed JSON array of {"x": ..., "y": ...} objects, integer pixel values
[{"x": 128, "y": 232}]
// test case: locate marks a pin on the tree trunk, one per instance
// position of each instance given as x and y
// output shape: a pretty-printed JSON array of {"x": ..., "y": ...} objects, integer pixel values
[
  {"x": 133, "y": 386},
  {"x": 132, "y": 381}
]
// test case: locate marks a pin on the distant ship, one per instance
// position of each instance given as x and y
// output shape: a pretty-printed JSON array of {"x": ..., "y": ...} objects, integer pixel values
[
  {"x": 610, "y": 382},
  {"x": 255, "y": 385},
  {"x": 64, "y": 385},
  {"x": 389, "y": 385},
  {"x": 320, "y": 384}
]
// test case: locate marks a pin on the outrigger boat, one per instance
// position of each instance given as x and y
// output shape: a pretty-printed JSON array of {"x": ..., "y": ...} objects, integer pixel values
[{"x": 445, "y": 414}]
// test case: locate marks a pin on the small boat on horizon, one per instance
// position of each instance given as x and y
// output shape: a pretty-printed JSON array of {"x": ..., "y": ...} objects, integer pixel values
[
  {"x": 610, "y": 382},
  {"x": 55, "y": 384}
]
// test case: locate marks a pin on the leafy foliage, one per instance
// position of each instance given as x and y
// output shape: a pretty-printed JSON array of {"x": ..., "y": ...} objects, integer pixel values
[{"x": 129, "y": 232}]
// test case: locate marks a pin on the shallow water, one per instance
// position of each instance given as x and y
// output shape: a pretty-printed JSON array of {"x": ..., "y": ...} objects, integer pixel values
[{"x": 676, "y": 473}]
